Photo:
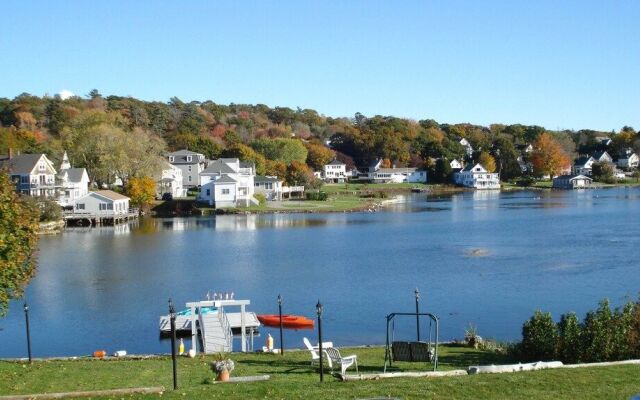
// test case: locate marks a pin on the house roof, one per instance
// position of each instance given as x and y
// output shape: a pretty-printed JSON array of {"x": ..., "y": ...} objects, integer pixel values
[
  {"x": 246, "y": 164},
  {"x": 219, "y": 167},
  {"x": 180, "y": 157},
  {"x": 110, "y": 194},
  {"x": 582, "y": 161},
  {"x": 225, "y": 179},
  {"x": 470, "y": 167},
  {"x": 22, "y": 163},
  {"x": 261, "y": 179},
  {"x": 336, "y": 162},
  {"x": 599, "y": 155},
  {"x": 572, "y": 177},
  {"x": 396, "y": 170},
  {"x": 75, "y": 174}
]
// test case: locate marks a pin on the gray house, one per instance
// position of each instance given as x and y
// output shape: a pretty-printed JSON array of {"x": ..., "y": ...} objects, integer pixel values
[{"x": 191, "y": 164}]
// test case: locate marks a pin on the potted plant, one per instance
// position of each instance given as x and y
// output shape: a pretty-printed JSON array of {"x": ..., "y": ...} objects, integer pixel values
[{"x": 222, "y": 366}]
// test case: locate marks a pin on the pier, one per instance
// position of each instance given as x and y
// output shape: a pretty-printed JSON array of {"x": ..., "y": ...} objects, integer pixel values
[{"x": 76, "y": 218}]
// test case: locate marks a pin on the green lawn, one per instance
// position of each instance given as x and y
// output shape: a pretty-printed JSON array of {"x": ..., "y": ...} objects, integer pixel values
[{"x": 293, "y": 378}]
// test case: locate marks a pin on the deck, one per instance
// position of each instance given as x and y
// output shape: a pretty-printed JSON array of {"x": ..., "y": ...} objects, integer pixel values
[{"x": 73, "y": 217}]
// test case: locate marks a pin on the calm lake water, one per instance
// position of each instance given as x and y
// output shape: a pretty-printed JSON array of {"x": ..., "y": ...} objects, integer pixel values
[{"x": 487, "y": 259}]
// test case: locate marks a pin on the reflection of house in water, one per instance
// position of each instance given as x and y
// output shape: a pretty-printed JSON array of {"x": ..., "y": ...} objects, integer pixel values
[{"x": 486, "y": 195}]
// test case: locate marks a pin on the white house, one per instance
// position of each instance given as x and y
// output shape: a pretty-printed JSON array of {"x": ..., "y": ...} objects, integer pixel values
[
  {"x": 602, "y": 157},
  {"x": 524, "y": 148},
  {"x": 571, "y": 182},
  {"x": 376, "y": 174},
  {"x": 477, "y": 177},
  {"x": 33, "y": 174},
  {"x": 335, "y": 172},
  {"x": 170, "y": 181},
  {"x": 73, "y": 182},
  {"x": 583, "y": 166},
  {"x": 227, "y": 182},
  {"x": 191, "y": 164},
  {"x": 102, "y": 204},
  {"x": 630, "y": 161},
  {"x": 456, "y": 165},
  {"x": 467, "y": 146},
  {"x": 269, "y": 186}
]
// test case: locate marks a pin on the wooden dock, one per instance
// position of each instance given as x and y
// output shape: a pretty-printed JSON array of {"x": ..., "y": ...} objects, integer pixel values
[
  {"x": 183, "y": 323},
  {"x": 98, "y": 219}
]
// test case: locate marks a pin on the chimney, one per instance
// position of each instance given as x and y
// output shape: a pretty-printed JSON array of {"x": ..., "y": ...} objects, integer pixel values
[{"x": 10, "y": 153}]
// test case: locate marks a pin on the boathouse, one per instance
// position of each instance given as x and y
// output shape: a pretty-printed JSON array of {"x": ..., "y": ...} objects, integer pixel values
[
  {"x": 571, "y": 182},
  {"x": 100, "y": 208}
]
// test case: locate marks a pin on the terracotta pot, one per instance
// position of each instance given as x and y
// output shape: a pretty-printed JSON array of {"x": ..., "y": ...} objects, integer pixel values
[{"x": 223, "y": 375}]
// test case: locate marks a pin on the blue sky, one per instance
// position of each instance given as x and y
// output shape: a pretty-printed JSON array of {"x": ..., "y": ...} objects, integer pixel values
[{"x": 560, "y": 64}]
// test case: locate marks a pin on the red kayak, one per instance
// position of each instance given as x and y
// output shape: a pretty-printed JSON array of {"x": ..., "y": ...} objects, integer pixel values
[{"x": 288, "y": 321}]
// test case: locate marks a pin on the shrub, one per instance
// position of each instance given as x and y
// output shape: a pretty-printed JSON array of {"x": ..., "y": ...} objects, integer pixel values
[
  {"x": 598, "y": 333},
  {"x": 262, "y": 199},
  {"x": 569, "y": 344},
  {"x": 50, "y": 211},
  {"x": 539, "y": 337},
  {"x": 318, "y": 196}
]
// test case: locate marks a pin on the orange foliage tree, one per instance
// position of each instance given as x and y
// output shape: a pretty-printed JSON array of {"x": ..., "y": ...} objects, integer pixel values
[{"x": 548, "y": 156}]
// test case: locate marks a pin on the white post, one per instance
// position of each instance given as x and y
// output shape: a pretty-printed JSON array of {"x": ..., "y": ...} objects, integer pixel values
[
  {"x": 243, "y": 329},
  {"x": 194, "y": 333}
]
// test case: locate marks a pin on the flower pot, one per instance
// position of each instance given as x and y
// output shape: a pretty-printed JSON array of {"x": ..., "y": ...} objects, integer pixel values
[{"x": 222, "y": 376}]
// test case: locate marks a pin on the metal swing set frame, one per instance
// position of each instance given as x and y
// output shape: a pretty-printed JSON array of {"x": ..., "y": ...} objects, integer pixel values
[{"x": 416, "y": 351}]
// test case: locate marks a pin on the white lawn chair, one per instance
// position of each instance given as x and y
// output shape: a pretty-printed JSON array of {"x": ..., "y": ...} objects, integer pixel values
[
  {"x": 315, "y": 357},
  {"x": 345, "y": 362}
]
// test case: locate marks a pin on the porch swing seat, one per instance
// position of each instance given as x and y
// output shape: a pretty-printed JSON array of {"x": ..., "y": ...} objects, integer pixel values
[{"x": 412, "y": 351}]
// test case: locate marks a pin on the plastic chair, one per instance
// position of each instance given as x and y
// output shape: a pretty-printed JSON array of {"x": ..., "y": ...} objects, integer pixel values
[
  {"x": 315, "y": 357},
  {"x": 345, "y": 362}
]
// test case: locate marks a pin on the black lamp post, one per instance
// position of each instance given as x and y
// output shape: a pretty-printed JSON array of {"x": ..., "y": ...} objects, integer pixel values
[
  {"x": 172, "y": 317},
  {"x": 319, "y": 312},
  {"x": 417, "y": 293},
  {"x": 281, "y": 335},
  {"x": 26, "y": 317}
]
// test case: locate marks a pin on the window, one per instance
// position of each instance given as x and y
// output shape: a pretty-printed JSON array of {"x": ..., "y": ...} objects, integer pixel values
[
  {"x": 24, "y": 179},
  {"x": 225, "y": 191},
  {"x": 41, "y": 167},
  {"x": 110, "y": 206},
  {"x": 171, "y": 158},
  {"x": 189, "y": 168},
  {"x": 189, "y": 177},
  {"x": 79, "y": 206},
  {"x": 189, "y": 158},
  {"x": 208, "y": 192},
  {"x": 268, "y": 186},
  {"x": 102, "y": 206}
]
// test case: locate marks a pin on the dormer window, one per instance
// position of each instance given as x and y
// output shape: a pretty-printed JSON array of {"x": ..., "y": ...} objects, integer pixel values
[
  {"x": 189, "y": 158},
  {"x": 41, "y": 167},
  {"x": 171, "y": 158}
]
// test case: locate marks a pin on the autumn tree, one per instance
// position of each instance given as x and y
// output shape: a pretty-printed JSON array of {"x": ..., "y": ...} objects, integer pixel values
[
  {"x": 299, "y": 174},
  {"x": 142, "y": 191},
  {"x": 318, "y": 155},
  {"x": 548, "y": 157},
  {"x": 18, "y": 241},
  {"x": 280, "y": 149},
  {"x": 487, "y": 161}
]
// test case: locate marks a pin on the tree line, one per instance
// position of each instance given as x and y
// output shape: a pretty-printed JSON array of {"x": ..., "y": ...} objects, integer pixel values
[{"x": 126, "y": 137}]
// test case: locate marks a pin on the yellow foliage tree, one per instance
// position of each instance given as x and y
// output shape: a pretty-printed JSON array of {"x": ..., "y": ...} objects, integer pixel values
[
  {"x": 142, "y": 191},
  {"x": 487, "y": 161}
]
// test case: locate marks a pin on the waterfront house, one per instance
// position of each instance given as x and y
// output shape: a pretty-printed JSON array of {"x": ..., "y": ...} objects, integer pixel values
[
  {"x": 33, "y": 174},
  {"x": 572, "y": 182},
  {"x": 170, "y": 181},
  {"x": 228, "y": 182},
  {"x": 73, "y": 182},
  {"x": 103, "y": 204},
  {"x": 583, "y": 165},
  {"x": 629, "y": 161},
  {"x": 335, "y": 172},
  {"x": 269, "y": 186},
  {"x": 524, "y": 148},
  {"x": 191, "y": 164},
  {"x": 376, "y": 174},
  {"x": 477, "y": 177}
]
